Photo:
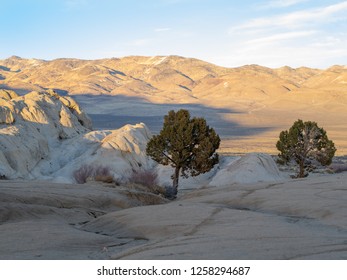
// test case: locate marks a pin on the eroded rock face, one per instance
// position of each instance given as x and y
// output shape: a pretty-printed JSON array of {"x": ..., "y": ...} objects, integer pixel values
[
  {"x": 6, "y": 115},
  {"x": 121, "y": 151},
  {"x": 47, "y": 136},
  {"x": 31, "y": 127},
  {"x": 74, "y": 108}
]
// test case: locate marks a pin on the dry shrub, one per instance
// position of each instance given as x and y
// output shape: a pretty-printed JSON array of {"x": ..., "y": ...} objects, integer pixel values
[
  {"x": 103, "y": 178},
  {"x": 148, "y": 178},
  {"x": 146, "y": 181},
  {"x": 338, "y": 168},
  {"x": 93, "y": 172},
  {"x": 84, "y": 172},
  {"x": 103, "y": 174}
]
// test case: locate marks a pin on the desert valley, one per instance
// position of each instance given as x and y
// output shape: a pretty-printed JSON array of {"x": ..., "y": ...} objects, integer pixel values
[
  {"x": 60, "y": 115},
  {"x": 248, "y": 106}
]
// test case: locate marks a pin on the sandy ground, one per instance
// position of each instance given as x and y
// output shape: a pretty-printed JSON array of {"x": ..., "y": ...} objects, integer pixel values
[{"x": 293, "y": 219}]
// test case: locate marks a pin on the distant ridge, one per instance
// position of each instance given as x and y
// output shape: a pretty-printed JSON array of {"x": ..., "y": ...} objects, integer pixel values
[
  {"x": 262, "y": 96},
  {"x": 139, "y": 74},
  {"x": 159, "y": 75}
]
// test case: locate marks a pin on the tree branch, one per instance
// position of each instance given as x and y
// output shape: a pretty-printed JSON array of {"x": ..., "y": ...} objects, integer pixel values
[{"x": 165, "y": 155}]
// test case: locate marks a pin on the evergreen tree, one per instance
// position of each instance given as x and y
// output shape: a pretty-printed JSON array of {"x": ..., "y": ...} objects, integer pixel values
[
  {"x": 305, "y": 141},
  {"x": 188, "y": 145}
]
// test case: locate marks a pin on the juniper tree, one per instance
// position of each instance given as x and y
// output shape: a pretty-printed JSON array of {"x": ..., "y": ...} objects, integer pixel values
[
  {"x": 303, "y": 142},
  {"x": 187, "y": 144}
]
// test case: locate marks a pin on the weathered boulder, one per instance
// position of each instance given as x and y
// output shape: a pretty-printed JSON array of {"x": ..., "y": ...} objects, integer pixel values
[
  {"x": 74, "y": 108},
  {"x": 121, "y": 151},
  {"x": 251, "y": 168}
]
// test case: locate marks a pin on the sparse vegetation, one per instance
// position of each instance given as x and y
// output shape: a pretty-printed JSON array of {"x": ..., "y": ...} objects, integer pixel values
[
  {"x": 188, "y": 145},
  {"x": 338, "y": 168},
  {"x": 147, "y": 178},
  {"x": 93, "y": 172},
  {"x": 146, "y": 181},
  {"x": 306, "y": 144}
]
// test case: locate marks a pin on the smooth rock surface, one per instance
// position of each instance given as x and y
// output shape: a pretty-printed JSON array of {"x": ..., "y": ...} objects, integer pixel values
[
  {"x": 250, "y": 168},
  {"x": 294, "y": 219},
  {"x": 41, "y": 220}
]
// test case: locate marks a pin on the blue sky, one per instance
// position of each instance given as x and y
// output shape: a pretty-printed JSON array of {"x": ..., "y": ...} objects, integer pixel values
[{"x": 230, "y": 33}]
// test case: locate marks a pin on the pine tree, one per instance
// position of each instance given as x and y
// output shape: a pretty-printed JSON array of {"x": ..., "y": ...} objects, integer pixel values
[
  {"x": 188, "y": 145},
  {"x": 303, "y": 142}
]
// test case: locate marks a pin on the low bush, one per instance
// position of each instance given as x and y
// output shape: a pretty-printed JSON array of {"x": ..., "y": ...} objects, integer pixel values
[
  {"x": 338, "y": 168},
  {"x": 148, "y": 178},
  {"x": 93, "y": 172}
]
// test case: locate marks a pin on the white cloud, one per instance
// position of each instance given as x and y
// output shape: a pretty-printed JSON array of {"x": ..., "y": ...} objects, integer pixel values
[
  {"x": 162, "y": 29},
  {"x": 139, "y": 42},
  {"x": 308, "y": 37},
  {"x": 283, "y": 3},
  {"x": 293, "y": 19},
  {"x": 306, "y": 55},
  {"x": 298, "y": 48},
  {"x": 281, "y": 37}
]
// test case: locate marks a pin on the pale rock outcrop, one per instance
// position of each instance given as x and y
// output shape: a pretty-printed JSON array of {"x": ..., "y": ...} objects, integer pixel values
[
  {"x": 74, "y": 108},
  {"x": 6, "y": 115},
  {"x": 47, "y": 136},
  {"x": 251, "y": 168},
  {"x": 122, "y": 151},
  {"x": 32, "y": 126},
  {"x": 293, "y": 219},
  {"x": 44, "y": 214}
]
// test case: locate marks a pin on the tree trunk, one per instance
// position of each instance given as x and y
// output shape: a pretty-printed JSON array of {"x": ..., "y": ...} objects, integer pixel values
[
  {"x": 175, "y": 180},
  {"x": 302, "y": 169}
]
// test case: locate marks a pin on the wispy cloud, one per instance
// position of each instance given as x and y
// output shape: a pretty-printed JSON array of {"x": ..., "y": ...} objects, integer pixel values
[
  {"x": 304, "y": 37},
  {"x": 326, "y": 51},
  {"x": 283, "y": 3},
  {"x": 294, "y": 19},
  {"x": 139, "y": 42},
  {"x": 280, "y": 37},
  {"x": 164, "y": 29}
]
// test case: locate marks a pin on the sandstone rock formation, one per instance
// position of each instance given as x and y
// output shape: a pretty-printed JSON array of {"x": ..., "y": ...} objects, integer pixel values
[
  {"x": 42, "y": 220},
  {"x": 44, "y": 135},
  {"x": 251, "y": 168},
  {"x": 296, "y": 219}
]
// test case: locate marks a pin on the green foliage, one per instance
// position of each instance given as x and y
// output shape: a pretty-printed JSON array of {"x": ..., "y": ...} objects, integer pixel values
[
  {"x": 186, "y": 144},
  {"x": 303, "y": 142}
]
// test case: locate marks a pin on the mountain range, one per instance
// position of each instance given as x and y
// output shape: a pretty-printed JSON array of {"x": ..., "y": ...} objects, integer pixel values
[{"x": 261, "y": 99}]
